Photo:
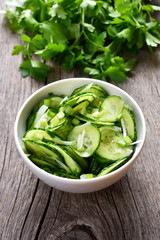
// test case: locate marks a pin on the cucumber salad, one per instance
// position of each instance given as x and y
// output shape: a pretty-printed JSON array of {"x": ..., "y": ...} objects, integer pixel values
[{"x": 86, "y": 135}]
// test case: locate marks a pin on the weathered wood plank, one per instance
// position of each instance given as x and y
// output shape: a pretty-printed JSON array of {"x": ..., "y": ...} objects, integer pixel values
[{"x": 17, "y": 184}]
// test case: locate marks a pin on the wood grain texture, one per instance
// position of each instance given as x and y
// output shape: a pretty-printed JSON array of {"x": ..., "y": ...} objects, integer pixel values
[{"x": 29, "y": 209}]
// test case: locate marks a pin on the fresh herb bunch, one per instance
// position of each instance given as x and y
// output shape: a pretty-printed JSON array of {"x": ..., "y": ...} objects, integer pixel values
[{"x": 92, "y": 34}]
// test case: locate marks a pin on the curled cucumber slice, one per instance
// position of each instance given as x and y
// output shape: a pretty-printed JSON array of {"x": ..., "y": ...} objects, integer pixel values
[
  {"x": 109, "y": 150},
  {"x": 130, "y": 124},
  {"x": 110, "y": 109},
  {"x": 87, "y": 137}
]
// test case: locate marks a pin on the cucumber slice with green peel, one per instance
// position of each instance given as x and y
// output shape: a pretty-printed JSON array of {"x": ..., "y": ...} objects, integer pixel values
[
  {"x": 108, "y": 149},
  {"x": 87, "y": 137},
  {"x": 93, "y": 120},
  {"x": 95, "y": 165},
  {"x": 30, "y": 120},
  {"x": 92, "y": 88},
  {"x": 95, "y": 89},
  {"x": 110, "y": 109},
  {"x": 112, "y": 167},
  {"x": 73, "y": 100},
  {"x": 63, "y": 130},
  {"x": 81, "y": 106},
  {"x": 85, "y": 96},
  {"x": 69, "y": 161},
  {"x": 55, "y": 101},
  {"x": 47, "y": 152},
  {"x": 51, "y": 101},
  {"x": 41, "y": 135},
  {"x": 129, "y": 123},
  {"x": 105, "y": 93},
  {"x": 56, "y": 123},
  {"x": 80, "y": 160},
  {"x": 43, "y": 163},
  {"x": 42, "y": 149}
]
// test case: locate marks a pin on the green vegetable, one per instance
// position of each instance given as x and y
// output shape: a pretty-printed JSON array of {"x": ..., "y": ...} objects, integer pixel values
[
  {"x": 92, "y": 34},
  {"x": 69, "y": 144}
]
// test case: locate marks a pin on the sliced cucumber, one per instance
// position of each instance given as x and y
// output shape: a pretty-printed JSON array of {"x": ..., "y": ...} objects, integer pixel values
[
  {"x": 43, "y": 163},
  {"x": 93, "y": 120},
  {"x": 95, "y": 89},
  {"x": 108, "y": 149},
  {"x": 56, "y": 123},
  {"x": 110, "y": 109},
  {"x": 105, "y": 93},
  {"x": 87, "y": 137},
  {"x": 81, "y": 106},
  {"x": 42, "y": 150},
  {"x": 130, "y": 124},
  {"x": 91, "y": 88},
  {"x": 80, "y": 160},
  {"x": 55, "y": 101},
  {"x": 112, "y": 167},
  {"x": 73, "y": 100},
  {"x": 69, "y": 161},
  {"x": 30, "y": 120},
  {"x": 63, "y": 130},
  {"x": 37, "y": 134},
  {"x": 95, "y": 165},
  {"x": 41, "y": 134}
]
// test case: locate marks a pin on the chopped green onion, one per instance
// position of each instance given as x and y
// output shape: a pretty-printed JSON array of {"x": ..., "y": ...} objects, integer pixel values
[
  {"x": 75, "y": 121},
  {"x": 43, "y": 123},
  {"x": 121, "y": 143},
  {"x": 127, "y": 139},
  {"x": 60, "y": 115},
  {"x": 86, "y": 176}
]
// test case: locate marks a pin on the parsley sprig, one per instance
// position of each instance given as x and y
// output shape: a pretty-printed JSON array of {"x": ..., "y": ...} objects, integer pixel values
[{"x": 92, "y": 34}]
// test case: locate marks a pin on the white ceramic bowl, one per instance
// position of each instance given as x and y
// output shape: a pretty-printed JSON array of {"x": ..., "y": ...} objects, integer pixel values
[{"x": 66, "y": 87}]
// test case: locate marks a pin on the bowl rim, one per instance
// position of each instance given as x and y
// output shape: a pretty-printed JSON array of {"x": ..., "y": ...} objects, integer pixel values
[{"x": 69, "y": 180}]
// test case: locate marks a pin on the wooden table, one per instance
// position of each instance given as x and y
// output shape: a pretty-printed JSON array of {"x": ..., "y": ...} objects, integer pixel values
[{"x": 29, "y": 209}]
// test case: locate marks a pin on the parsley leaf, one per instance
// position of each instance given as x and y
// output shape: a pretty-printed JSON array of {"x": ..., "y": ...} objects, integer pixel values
[
  {"x": 35, "y": 69},
  {"x": 51, "y": 50},
  {"x": 152, "y": 40},
  {"x": 17, "y": 49},
  {"x": 58, "y": 11},
  {"x": 54, "y": 32},
  {"x": 116, "y": 74}
]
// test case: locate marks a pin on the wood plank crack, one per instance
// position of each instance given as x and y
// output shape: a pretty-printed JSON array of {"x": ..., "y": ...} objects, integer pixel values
[
  {"x": 124, "y": 237},
  {"x": 44, "y": 214},
  {"x": 5, "y": 153},
  {"x": 103, "y": 215},
  {"x": 58, "y": 208},
  {"x": 33, "y": 197},
  {"x": 133, "y": 196},
  {"x": 15, "y": 200}
]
